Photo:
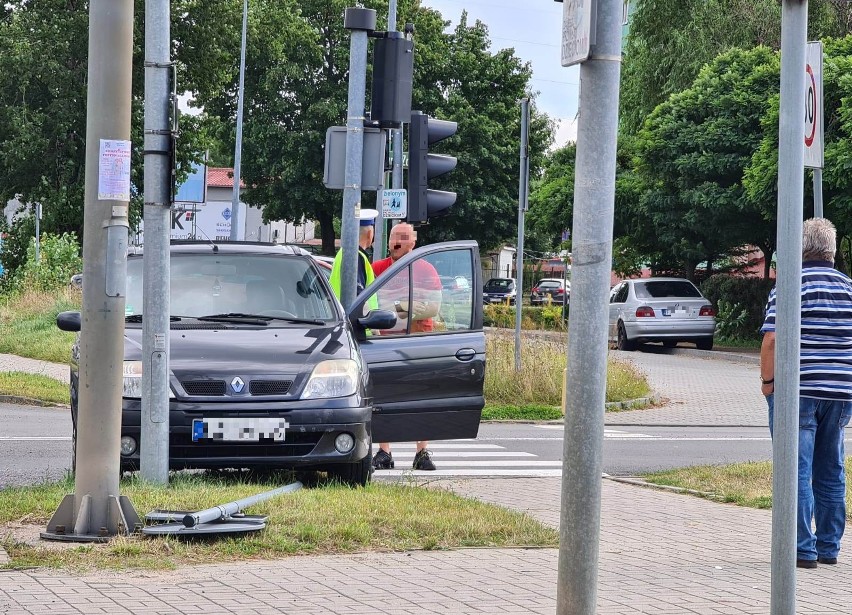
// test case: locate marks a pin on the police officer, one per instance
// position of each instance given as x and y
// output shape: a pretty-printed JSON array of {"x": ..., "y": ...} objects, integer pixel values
[{"x": 366, "y": 235}]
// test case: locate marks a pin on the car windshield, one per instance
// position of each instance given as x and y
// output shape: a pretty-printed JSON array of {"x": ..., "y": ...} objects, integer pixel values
[
  {"x": 660, "y": 289},
  {"x": 205, "y": 284},
  {"x": 498, "y": 285}
]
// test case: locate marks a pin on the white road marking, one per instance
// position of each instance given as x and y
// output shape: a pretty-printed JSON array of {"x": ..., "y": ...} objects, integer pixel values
[
  {"x": 35, "y": 438},
  {"x": 464, "y": 472}
]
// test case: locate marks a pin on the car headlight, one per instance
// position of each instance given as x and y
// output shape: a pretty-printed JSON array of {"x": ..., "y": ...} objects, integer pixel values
[
  {"x": 132, "y": 386},
  {"x": 334, "y": 378}
]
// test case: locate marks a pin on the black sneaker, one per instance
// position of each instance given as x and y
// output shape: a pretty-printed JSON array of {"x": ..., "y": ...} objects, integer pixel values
[
  {"x": 382, "y": 461},
  {"x": 831, "y": 561},
  {"x": 806, "y": 563},
  {"x": 423, "y": 460}
]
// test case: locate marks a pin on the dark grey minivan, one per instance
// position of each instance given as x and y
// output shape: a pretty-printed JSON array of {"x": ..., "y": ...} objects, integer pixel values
[{"x": 268, "y": 371}]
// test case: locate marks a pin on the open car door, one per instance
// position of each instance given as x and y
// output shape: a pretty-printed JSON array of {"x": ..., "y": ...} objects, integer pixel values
[{"x": 428, "y": 371}]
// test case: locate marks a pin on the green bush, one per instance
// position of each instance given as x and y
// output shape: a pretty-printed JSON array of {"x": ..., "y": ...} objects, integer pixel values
[
  {"x": 547, "y": 317},
  {"x": 740, "y": 303},
  {"x": 59, "y": 259}
]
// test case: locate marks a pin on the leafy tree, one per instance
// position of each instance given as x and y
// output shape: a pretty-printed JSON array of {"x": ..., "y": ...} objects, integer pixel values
[
  {"x": 761, "y": 176},
  {"x": 43, "y": 93},
  {"x": 297, "y": 88},
  {"x": 552, "y": 196},
  {"x": 691, "y": 155},
  {"x": 670, "y": 40}
]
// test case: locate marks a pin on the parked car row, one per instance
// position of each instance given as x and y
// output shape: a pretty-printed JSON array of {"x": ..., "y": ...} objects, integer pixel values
[{"x": 546, "y": 291}]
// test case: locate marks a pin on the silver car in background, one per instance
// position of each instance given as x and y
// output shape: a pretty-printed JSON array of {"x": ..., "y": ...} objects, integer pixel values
[{"x": 667, "y": 310}]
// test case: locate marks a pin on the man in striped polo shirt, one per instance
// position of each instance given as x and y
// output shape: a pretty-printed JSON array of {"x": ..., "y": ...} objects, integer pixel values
[{"x": 825, "y": 393}]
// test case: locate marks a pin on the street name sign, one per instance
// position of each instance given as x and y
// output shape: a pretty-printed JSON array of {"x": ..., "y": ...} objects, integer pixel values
[
  {"x": 395, "y": 204},
  {"x": 578, "y": 20}
]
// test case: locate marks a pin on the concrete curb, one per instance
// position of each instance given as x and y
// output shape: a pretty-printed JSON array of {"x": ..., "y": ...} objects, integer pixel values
[{"x": 28, "y": 401}]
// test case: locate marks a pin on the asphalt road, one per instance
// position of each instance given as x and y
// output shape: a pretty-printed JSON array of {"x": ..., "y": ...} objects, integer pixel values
[{"x": 35, "y": 445}]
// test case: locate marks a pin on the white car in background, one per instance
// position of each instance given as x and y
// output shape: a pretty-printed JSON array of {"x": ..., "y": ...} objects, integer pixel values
[{"x": 667, "y": 310}]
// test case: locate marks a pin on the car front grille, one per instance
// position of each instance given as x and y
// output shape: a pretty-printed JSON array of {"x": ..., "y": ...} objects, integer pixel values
[
  {"x": 204, "y": 388},
  {"x": 295, "y": 444},
  {"x": 270, "y": 387}
]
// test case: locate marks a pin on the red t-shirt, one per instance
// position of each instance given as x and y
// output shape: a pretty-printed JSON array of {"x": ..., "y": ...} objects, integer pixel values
[{"x": 425, "y": 278}]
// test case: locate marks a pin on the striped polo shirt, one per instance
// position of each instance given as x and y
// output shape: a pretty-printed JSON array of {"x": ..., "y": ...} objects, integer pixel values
[{"x": 826, "y": 351}]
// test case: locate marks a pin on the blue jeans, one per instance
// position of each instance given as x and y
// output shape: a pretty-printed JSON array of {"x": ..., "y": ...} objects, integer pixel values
[{"x": 822, "y": 477}]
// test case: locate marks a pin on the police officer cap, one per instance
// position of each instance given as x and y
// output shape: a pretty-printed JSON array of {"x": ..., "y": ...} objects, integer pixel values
[{"x": 368, "y": 217}]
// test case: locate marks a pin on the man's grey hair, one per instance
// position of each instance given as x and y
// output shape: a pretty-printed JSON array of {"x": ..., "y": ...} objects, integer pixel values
[{"x": 819, "y": 240}]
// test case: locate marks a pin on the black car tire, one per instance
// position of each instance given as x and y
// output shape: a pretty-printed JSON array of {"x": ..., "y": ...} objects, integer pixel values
[
  {"x": 705, "y": 343},
  {"x": 355, "y": 474},
  {"x": 623, "y": 342}
]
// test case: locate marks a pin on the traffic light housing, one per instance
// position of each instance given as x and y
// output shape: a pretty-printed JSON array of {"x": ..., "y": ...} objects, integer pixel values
[{"x": 424, "y": 203}]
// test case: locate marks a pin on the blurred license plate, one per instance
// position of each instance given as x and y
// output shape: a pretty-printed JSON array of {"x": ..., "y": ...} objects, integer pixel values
[{"x": 239, "y": 429}]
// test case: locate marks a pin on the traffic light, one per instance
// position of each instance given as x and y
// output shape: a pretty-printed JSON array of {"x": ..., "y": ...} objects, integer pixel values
[{"x": 424, "y": 203}]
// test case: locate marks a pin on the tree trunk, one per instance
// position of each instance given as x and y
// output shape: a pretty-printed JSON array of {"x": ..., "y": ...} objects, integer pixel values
[
  {"x": 326, "y": 221},
  {"x": 767, "y": 251}
]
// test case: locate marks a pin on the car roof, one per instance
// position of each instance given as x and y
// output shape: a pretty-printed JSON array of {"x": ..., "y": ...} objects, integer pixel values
[
  {"x": 659, "y": 280},
  {"x": 227, "y": 247}
]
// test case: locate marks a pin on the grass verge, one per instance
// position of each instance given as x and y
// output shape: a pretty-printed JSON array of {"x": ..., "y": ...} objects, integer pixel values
[
  {"x": 28, "y": 321},
  {"x": 328, "y": 519},
  {"x": 743, "y": 484},
  {"x": 540, "y": 380},
  {"x": 34, "y": 386}
]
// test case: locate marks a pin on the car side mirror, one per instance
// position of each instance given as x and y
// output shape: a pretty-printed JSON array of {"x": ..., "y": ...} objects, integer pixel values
[
  {"x": 68, "y": 321},
  {"x": 378, "y": 319}
]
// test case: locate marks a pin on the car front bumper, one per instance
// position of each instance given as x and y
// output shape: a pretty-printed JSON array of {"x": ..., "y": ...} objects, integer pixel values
[{"x": 309, "y": 436}]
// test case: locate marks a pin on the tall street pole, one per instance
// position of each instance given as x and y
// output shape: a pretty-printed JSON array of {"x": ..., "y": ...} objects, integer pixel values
[
  {"x": 154, "y": 427},
  {"x": 791, "y": 186},
  {"x": 523, "y": 194},
  {"x": 396, "y": 176},
  {"x": 236, "y": 209},
  {"x": 358, "y": 21},
  {"x": 96, "y": 511},
  {"x": 594, "y": 203}
]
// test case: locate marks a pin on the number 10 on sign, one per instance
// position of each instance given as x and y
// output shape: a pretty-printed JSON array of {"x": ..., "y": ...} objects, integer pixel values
[{"x": 394, "y": 203}]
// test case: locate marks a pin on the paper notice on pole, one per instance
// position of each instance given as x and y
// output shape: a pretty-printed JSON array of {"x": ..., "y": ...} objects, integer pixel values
[{"x": 114, "y": 170}]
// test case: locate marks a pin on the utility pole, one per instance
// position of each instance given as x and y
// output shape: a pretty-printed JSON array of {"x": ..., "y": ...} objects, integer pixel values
[
  {"x": 523, "y": 193},
  {"x": 38, "y": 232},
  {"x": 791, "y": 186},
  {"x": 395, "y": 137},
  {"x": 594, "y": 204},
  {"x": 236, "y": 209},
  {"x": 96, "y": 511},
  {"x": 154, "y": 428},
  {"x": 359, "y": 21}
]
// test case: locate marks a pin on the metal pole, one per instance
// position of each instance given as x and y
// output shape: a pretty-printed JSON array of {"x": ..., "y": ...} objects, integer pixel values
[
  {"x": 238, "y": 149},
  {"x": 594, "y": 203},
  {"x": 154, "y": 427},
  {"x": 818, "y": 194},
  {"x": 791, "y": 186},
  {"x": 523, "y": 192},
  {"x": 96, "y": 510},
  {"x": 396, "y": 181},
  {"x": 358, "y": 21},
  {"x": 224, "y": 511},
  {"x": 37, "y": 232}
]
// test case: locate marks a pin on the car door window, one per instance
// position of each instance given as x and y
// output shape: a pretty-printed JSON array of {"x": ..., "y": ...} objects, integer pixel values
[
  {"x": 621, "y": 295},
  {"x": 433, "y": 294}
]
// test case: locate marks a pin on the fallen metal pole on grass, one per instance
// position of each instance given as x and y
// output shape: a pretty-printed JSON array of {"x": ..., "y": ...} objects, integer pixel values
[{"x": 217, "y": 519}]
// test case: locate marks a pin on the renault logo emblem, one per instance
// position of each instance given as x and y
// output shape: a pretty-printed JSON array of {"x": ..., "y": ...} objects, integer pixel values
[{"x": 238, "y": 384}]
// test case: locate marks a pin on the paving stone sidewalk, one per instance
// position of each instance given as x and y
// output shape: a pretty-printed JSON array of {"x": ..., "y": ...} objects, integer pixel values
[{"x": 660, "y": 553}]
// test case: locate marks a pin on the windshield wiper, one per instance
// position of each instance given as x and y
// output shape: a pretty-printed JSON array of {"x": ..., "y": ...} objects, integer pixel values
[
  {"x": 241, "y": 317},
  {"x": 138, "y": 318},
  {"x": 237, "y": 317}
]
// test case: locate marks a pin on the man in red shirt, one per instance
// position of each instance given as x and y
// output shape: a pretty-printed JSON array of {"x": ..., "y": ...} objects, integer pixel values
[{"x": 414, "y": 318}]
